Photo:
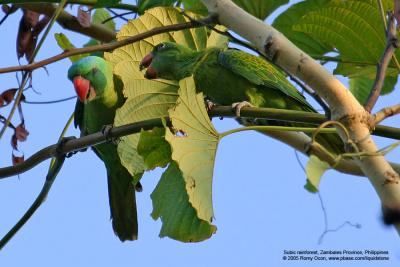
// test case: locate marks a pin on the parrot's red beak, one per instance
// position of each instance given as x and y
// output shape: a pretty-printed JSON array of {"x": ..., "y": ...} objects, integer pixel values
[
  {"x": 150, "y": 73},
  {"x": 82, "y": 87}
]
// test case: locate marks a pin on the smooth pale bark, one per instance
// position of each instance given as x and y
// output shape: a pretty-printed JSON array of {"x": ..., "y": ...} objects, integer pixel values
[{"x": 344, "y": 107}]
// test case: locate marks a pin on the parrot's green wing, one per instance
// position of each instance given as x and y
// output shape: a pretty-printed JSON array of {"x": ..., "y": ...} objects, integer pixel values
[{"x": 259, "y": 72}]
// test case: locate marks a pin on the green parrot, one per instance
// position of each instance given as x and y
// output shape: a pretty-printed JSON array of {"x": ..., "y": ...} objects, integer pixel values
[
  {"x": 229, "y": 76},
  {"x": 100, "y": 94}
]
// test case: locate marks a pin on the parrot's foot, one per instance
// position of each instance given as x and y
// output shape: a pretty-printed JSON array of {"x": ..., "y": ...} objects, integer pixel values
[
  {"x": 61, "y": 144},
  {"x": 106, "y": 132},
  {"x": 209, "y": 104},
  {"x": 239, "y": 105}
]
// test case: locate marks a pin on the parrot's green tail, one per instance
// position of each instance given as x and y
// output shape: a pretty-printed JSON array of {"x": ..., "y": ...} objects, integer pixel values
[{"x": 122, "y": 199}]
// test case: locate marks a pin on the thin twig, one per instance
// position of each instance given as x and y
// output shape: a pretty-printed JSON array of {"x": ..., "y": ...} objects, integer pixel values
[
  {"x": 103, "y": 47},
  {"x": 355, "y": 225},
  {"x": 218, "y": 111},
  {"x": 386, "y": 113},
  {"x": 383, "y": 18},
  {"x": 49, "y": 102},
  {"x": 51, "y": 175},
  {"x": 392, "y": 44},
  {"x": 78, "y": 2},
  {"x": 116, "y": 15},
  {"x": 324, "y": 212}
]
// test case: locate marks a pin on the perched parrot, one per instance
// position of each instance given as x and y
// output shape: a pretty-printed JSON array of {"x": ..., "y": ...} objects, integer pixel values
[
  {"x": 100, "y": 94},
  {"x": 228, "y": 76}
]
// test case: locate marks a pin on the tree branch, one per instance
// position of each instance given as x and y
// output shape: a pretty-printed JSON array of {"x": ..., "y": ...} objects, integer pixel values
[
  {"x": 391, "y": 44},
  {"x": 106, "y": 47},
  {"x": 343, "y": 105},
  {"x": 385, "y": 113},
  {"x": 79, "y": 2},
  {"x": 67, "y": 21},
  {"x": 298, "y": 141}
]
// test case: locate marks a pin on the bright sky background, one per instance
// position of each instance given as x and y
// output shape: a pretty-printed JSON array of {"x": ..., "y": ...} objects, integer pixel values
[{"x": 261, "y": 207}]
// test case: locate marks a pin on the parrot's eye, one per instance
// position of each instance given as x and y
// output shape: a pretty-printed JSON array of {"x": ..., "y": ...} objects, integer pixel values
[
  {"x": 94, "y": 70},
  {"x": 159, "y": 47}
]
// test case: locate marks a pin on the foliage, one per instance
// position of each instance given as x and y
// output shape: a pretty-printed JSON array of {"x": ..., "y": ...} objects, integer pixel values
[
  {"x": 351, "y": 29},
  {"x": 347, "y": 33}
]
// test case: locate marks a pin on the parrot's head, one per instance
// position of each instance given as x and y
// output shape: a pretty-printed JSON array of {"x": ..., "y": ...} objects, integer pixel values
[
  {"x": 168, "y": 61},
  {"x": 91, "y": 77}
]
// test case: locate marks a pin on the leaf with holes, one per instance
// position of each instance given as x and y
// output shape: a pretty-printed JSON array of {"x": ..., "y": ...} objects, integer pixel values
[
  {"x": 171, "y": 205},
  {"x": 149, "y": 99},
  {"x": 315, "y": 169},
  {"x": 194, "y": 145}
]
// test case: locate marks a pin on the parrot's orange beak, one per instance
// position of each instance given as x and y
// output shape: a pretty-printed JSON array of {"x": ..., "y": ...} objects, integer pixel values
[
  {"x": 146, "y": 63},
  {"x": 82, "y": 88}
]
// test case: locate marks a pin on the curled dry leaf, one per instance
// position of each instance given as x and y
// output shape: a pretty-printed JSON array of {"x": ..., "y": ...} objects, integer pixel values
[
  {"x": 84, "y": 16},
  {"x": 29, "y": 28},
  {"x": 14, "y": 142},
  {"x": 5, "y": 8},
  {"x": 21, "y": 133},
  {"x": 30, "y": 18},
  {"x": 17, "y": 159},
  {"x": 8, "y": 95},
  {"x": 9, "y": 9}
]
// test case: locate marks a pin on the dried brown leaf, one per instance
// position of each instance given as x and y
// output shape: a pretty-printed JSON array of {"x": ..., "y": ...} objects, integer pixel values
[
  {"x": 9, "y": 9},
  {"x": 84, "y": 17},
  {"x": 8, "y": 95},
  {"x": 17, "y": 159},
  {"x": 24, "y": 38},
  {"x": 21, "y": 133},
  {"x": 14, "y": 142},
  {"x": 31, "y": 18}
]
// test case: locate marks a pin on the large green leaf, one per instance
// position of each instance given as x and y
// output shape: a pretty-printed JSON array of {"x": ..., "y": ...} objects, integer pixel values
[
  {"x": 194, "y": 145},
  {"x": 260, "y": 8},
  {"x": 195, "y": 6},
  {"x": 286, "y": 20},
  {"x": 144, "y": 5},
  {"x": 148, "y": 99},
  {"x": 353, "y": 29},
  {"x": 171, "y": 204}
]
